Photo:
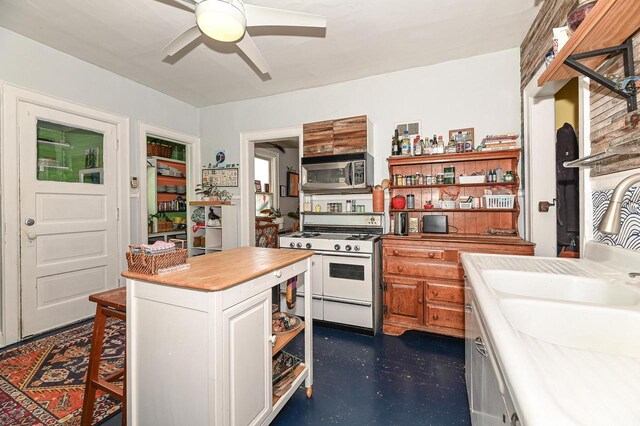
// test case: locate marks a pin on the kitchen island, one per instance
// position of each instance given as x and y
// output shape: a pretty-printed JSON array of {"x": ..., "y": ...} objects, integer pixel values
[{"x": 200, "y": 341}]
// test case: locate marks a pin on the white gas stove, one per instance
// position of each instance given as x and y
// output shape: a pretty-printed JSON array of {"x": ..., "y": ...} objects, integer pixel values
[{"x": 346, "y": 267}]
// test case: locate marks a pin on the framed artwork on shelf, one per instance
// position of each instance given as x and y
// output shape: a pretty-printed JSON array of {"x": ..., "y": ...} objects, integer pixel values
[
  {"x": 293, "y": 180},
  {"x": 258, "y": 186},
  {"x": 283, "y": 190},
  {"x": 267, "y": 187},
  {"x": 227, "y": 177},
  {"x": 467, "y": 135}
]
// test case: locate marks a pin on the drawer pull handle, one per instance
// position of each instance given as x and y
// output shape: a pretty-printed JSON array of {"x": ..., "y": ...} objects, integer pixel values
[
  {"x": 400, "y": 269},
  {"x": 436, "y": 317},
  {"x": 395, "y": 252},
  {"x": 435, "y": 292},
  {"x": 432, "y": 255}
]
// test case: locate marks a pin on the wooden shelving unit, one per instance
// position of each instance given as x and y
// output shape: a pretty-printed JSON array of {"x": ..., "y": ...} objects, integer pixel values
[
  {"x": 283, "y": 339},
  {"x": 609, "y": 23},
  {"x": 296, "y": 374},
  {"x": 464, "y": 221}
]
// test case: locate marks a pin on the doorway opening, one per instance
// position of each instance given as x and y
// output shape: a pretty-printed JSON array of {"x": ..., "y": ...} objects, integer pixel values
[
  {"x": 275, "y": 168},
  {"x": 167, "y": 197},
  {"x": 168, "y": 170},
  {"x": 567, "y": 127},
  {"x": 248, "y": 142}
]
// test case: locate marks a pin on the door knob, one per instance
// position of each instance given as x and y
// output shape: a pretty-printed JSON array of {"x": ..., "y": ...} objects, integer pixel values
[
  {"x": 29, "y": 222},
  {"x": 32, "y": 235}
]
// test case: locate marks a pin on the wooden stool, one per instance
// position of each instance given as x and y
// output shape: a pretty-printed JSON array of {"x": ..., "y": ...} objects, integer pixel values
[{"x": 111, "y": 303}]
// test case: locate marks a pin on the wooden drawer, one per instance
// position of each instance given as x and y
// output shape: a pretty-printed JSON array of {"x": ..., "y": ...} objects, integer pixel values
[
  {"x": 412, "y": 252},
  {"x": 445, "y": 292},
  {"x": 445, "y": 316},
  {"x": 421, "y": 268}
]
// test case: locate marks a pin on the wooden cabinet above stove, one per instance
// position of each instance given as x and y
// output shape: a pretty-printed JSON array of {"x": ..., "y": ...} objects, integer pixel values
[{"x": 341, "y": 136}]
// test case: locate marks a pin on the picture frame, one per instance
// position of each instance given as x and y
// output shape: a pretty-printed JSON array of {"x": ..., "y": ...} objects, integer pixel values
[
  {"x": 283, "y": 190},
  {"x": 468, "y": 134},
  {"x": 258, "y": 185},
  {"x": 293, "y": 181},
  {"x": 221, "y": 177}
]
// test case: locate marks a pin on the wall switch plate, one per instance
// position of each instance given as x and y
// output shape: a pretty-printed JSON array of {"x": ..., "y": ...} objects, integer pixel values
[{"x": 134, "y": 182}]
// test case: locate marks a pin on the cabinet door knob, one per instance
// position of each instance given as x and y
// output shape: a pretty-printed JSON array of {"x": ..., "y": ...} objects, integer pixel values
[
  {"x": 400, "y": 269},
  {"x": 395, "y": 252},
  {"x": 436, "y": 317},
  {"x": 278, "y": 273},
  {"x": 432, "y": 255},
  {"x": 435, "y": 292}
]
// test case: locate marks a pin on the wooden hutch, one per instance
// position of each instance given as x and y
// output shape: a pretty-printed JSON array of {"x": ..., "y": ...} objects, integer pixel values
[{"x": 422, "y": 273}]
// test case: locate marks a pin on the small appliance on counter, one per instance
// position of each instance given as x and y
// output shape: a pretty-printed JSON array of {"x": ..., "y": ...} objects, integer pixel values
[
  {"x": 435, "y": 224},
  {"x": 401, "y": 223}
]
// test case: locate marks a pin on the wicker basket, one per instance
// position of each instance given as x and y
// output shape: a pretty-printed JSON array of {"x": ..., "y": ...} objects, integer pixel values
[
  {"x": 153, "y": 149},
  {"x": 149, "y": 264},
  {"x": 166, "y": 151},
  {"x": 165, "y": 226}
]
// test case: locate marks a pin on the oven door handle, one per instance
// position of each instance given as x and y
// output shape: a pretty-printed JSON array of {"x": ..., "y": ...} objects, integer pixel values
[
  {"x": 361, "y": 256},
  {"x": 347, "y": 302}
]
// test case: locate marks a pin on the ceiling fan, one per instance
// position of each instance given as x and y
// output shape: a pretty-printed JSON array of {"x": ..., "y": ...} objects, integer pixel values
[{"x": 228, "y": 20}]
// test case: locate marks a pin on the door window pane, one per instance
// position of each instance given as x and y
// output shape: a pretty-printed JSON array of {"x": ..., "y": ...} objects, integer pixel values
[{"x": 69, "y": 154}]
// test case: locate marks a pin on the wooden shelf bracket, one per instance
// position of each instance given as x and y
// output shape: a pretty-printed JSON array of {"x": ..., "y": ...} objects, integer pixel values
[{"x": 626, "y": 87}]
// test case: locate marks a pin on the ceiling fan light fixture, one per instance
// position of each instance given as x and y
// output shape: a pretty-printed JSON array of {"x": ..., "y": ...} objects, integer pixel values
[{"x": 221, "y": 20}]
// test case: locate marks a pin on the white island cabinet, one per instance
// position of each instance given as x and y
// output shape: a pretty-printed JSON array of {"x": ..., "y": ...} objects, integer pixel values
[{"x": 199, "y": 341}]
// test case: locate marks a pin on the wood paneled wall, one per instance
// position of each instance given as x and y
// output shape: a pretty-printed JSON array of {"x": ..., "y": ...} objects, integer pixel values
[
  {"x": 539, "y": 38},
  {"x": 609, "y": 120}
]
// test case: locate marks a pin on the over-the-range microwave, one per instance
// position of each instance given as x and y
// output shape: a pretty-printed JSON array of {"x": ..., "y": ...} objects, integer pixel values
[{"x": 342, "y": 173}]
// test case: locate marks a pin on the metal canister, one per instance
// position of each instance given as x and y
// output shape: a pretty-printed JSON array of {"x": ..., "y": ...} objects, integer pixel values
[
  {"x": 428, "y": 180},
  {"x": 411, "y": 201},
  {"x": 439, "y": 178}
]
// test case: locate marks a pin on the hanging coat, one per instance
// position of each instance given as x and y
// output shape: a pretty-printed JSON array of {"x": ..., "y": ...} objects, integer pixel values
[{"x": 567, "y": 186}]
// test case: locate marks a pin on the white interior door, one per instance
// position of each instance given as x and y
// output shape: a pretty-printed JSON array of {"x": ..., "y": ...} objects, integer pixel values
[{"x": 68, "y": 215}]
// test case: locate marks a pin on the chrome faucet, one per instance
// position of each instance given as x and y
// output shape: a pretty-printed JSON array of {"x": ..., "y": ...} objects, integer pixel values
[{"x": 611, "y": 221}]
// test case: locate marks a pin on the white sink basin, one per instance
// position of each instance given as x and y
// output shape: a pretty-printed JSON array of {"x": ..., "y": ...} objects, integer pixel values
[
  {"x": 568, "y": 288},
  {"x": 610, "y": 331}
]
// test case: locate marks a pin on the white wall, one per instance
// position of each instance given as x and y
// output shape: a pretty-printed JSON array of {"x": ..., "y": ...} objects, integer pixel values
[
  {"x": 480, "y": 92},
  {"x": 39, "y": 68}
]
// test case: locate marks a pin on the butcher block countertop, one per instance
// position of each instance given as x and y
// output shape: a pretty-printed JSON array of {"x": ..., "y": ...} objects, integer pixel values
[
  {"x": 222, "y": 270},
  {"x": 457, "y": 238}
]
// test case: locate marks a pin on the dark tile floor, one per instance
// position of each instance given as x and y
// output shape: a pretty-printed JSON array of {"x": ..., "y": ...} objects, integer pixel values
[{"x": 414, "y": 379}]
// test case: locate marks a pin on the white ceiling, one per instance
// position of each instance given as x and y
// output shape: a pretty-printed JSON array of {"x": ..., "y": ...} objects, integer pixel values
[{"x": 363, "y": 38}]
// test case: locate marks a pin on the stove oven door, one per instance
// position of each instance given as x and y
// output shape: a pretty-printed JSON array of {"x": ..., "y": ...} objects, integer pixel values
[
  {"x": 348, "y": 282},
  {"x": 347, "y": 276}
]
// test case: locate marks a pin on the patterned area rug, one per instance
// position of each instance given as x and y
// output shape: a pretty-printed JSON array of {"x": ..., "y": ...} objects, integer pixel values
[{"x": 42, "y": 381}]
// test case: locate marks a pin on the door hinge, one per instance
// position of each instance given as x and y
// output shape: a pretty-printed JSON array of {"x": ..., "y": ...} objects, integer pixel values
[
  {"x": 384, "y": 286},
  {"x": 117, "y": 144},
  {"x": 385, "y": 310},
  {"x": 118, "y": 213}
]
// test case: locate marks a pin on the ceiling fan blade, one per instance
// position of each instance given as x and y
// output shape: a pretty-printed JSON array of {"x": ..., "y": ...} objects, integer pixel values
[
  {"x": 258, "y": 16},
  {"x": 180, "y": 42},
  {"x": 250, "y": 49},
  {"x": 191, "y": 4}
]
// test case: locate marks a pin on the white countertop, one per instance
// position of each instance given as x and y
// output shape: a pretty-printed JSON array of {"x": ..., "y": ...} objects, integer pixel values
[{"x": 553, "y": 383}]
